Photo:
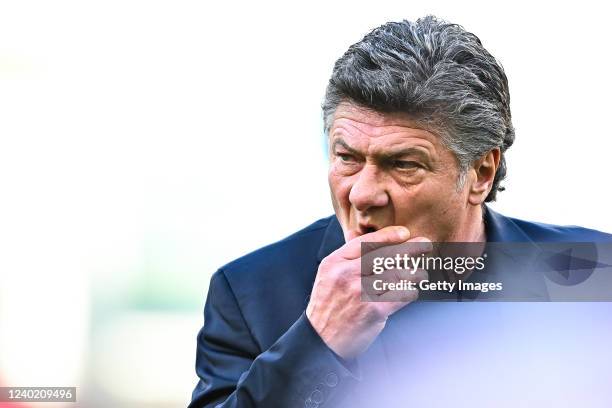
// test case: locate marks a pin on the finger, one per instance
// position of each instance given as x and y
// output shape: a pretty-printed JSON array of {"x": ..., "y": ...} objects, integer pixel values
[
  {"x": 415, "y": 246},
  {"x": 393, "y": 300},
  {"x": 393, "y": 280},
  {"x": 396, "y": 255},
  {"x": 351, "y": 235},
  {"x": 390, "y": 235}
]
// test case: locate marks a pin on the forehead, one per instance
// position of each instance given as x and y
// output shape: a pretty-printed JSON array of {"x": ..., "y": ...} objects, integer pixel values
[{"x": 364, "y": 128}]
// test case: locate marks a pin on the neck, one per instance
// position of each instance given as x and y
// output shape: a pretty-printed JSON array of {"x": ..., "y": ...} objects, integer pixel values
[
  {"x": 471, "y": 230},
  {"x": 472, "y": 227}
]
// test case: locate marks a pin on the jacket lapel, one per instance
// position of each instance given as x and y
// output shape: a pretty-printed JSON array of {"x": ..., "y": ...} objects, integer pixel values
[{"x": 332, "y": 239}]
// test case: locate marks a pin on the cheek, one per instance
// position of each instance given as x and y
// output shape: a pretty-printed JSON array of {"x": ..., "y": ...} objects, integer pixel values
[
  {"x": 423, "y": 203},
  {"x": 339, "y": 185},
  {"x": 407, "y": 200}
]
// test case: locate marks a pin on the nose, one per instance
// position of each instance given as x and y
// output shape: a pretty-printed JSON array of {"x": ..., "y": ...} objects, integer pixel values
[{"x": 368, "y": 190}]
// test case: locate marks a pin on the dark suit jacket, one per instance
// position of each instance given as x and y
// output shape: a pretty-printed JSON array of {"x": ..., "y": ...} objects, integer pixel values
[{"x": 258, "y": 349}]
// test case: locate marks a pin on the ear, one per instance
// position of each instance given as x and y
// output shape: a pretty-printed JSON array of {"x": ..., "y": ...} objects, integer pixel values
[{"x": 484, "y": 170}]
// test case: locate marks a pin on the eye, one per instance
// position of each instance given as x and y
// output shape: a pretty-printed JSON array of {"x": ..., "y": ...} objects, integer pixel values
[
  {"x": 346, "y": 157},
  {"x": 405, "y": 164}
]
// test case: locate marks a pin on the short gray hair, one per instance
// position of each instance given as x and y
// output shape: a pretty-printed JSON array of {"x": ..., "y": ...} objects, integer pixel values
[{"x": 437, "y": 73}]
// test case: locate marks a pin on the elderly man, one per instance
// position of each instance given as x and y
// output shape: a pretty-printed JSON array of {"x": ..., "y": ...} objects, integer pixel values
[{"x": 418, "y": 120}]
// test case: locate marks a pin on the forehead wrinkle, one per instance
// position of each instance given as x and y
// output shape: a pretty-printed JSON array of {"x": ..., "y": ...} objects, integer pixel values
[
  {"x": 381, "y": 146},
  {"x": 405, "y": 142},
  {"x": 375, "y": 131},
  {"x": 361, "y": 114},
  {"x": 374, "y": 119}
]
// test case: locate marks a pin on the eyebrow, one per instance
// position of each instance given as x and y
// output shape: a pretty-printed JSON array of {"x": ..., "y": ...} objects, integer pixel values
[
  {"x": 384, "y": 156},
  {"x": 342, "y": 143}
]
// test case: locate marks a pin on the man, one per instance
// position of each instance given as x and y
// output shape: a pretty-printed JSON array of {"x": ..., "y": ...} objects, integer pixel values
[{"x": 418, "y": 119}]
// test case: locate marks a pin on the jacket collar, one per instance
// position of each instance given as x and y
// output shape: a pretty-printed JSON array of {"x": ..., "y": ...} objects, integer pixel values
[{"x": 499, "y": 228}]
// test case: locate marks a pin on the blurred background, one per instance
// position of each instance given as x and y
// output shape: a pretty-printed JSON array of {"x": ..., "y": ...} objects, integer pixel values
[{"x": 143, "y": 144}]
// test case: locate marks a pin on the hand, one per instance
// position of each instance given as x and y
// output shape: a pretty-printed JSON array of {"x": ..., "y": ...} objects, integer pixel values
[{"x": 346, "y": 323}]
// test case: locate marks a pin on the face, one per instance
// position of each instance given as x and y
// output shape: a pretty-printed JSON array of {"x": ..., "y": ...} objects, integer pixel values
[{"x": 384, "y": 170}]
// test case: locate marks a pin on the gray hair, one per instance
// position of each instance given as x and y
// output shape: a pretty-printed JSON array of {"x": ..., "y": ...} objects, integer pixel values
[{"x": 437, "y": 73}]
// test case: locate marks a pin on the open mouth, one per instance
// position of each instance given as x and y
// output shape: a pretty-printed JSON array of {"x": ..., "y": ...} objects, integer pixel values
[{"x": 366, "y": 229}]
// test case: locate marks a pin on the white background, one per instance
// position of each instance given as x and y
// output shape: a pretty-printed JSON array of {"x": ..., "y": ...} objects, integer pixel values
[{"x": 198, "y": 124}]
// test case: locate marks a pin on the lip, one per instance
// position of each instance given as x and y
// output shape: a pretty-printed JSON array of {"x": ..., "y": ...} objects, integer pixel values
[{"x": 366, "y": 228}]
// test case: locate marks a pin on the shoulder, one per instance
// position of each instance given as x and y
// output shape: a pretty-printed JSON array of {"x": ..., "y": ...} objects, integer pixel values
[
  {"x": 301, "y": 244},
  {"x": 538, "y": 231},
  {"x": 270, "y": 285},
  {"x": 280, "y": 269}
]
